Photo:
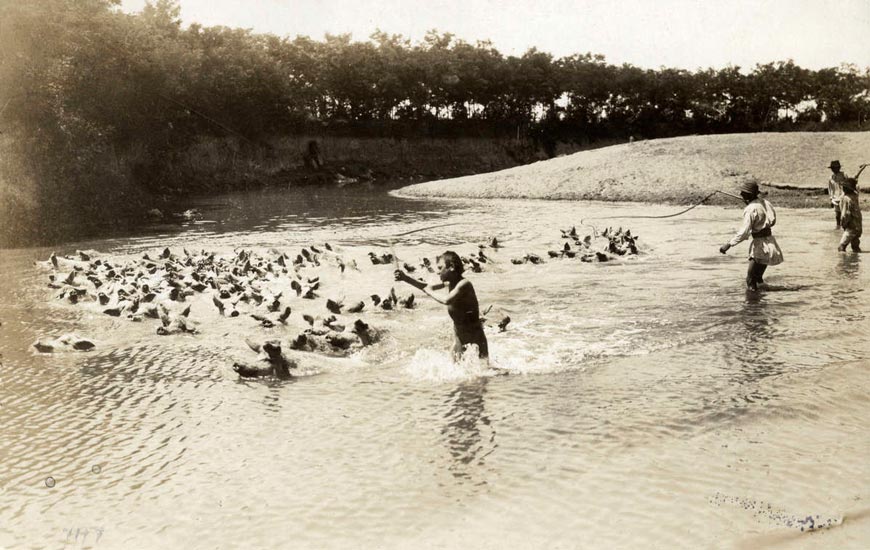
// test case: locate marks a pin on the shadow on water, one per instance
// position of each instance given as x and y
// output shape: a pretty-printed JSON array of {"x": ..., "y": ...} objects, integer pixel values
[
  {"x": 469, "y": 434},
  {"x": 756, "y": 347},
  {"x": 849, "y": 265},
  {"x": 844, "y": 297},
  {"x": 274, "y": 396}
]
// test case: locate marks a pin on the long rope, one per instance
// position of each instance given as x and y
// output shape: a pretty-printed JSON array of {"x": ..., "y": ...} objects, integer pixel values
[
  {"x": 423, "y": 229},
  {"x": 702, "y": 201},
  {"x": 391, "y": 239},
  {"x": 10, "y": 99},
  {"x": 699, "y": 203}
]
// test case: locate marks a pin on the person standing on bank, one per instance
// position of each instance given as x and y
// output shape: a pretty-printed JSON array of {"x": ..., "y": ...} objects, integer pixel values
[{"x": 758, "y": 219}]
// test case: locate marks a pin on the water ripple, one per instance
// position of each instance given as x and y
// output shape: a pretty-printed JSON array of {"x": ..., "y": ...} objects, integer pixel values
[{"x": 637, "y": 391}]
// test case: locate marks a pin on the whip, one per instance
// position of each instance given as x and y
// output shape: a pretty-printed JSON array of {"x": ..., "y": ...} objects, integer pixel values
[
  {"x": 699, "y": 203},
  {"x": 423, "y": 229},
  {"x": 392, "y": 242}
]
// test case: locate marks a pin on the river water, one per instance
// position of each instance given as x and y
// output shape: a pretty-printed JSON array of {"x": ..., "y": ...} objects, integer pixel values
[{"x": 651, "y": 401}]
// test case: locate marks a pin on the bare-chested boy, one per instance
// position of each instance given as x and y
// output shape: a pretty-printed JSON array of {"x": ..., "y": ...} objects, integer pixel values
[{"x": 461, "y": 302}]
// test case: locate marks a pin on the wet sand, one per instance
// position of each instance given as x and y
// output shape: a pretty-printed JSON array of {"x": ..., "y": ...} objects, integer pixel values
[{"x": 674, "y": 171}]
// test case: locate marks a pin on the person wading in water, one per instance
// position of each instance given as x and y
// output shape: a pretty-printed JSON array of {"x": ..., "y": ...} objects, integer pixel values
[
  {"x": 836, "y": 184},
  {"x": 851, "y": 216},
  {"x": 835, "y": 188},
  {"x": 461, "y": 302},
  {"x": 758, "y": 219}
]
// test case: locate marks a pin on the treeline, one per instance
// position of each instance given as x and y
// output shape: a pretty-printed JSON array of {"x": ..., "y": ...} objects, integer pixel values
[
  {"x": 79, "y": 78},
  {"x": 80, "y": 67}
]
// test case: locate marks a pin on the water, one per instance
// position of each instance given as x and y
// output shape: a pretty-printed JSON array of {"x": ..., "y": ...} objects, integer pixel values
[{"x": 651, "y": 401}]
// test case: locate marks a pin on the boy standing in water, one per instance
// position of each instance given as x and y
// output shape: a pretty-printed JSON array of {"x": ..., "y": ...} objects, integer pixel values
[
  {"x": 758, "y": 218},
  {"x": 850, "y": 217},
  {"x": 836, "y": 188},
  {"x": 461, "y": 302}
]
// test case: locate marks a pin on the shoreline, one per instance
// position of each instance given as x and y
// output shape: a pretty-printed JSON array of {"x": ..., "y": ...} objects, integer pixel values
[
  {"x": 790, "y": 167},
  {"x": 788, "y": 199},
  {"x": 127, "y": 186}
]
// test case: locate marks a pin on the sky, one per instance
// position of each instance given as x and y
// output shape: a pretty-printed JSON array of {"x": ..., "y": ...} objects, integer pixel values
[{"x": 686, "y": 34}]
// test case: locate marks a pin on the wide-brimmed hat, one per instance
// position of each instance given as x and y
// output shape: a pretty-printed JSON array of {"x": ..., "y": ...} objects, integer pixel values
[
  {"x": 834, "y": 164},
  {"x": 750, "y": 188}
]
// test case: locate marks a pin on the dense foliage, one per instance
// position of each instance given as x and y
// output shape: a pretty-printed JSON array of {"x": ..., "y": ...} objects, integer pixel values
[{"x": 83, "y": 69}]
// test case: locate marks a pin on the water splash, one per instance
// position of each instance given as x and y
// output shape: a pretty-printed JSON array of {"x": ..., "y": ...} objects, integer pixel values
[{"x": 439, "y": 366}]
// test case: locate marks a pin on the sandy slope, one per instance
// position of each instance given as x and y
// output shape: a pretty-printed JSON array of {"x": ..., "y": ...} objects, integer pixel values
[{"x": 674, "y": 170}]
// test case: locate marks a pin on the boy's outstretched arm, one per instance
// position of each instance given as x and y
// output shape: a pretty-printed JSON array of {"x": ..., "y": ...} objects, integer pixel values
[
  {"x": 416, "y": 283},
  {"x": 401, "y": 276}
]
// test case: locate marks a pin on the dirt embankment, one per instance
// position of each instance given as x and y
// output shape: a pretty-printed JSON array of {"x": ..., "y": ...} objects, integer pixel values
[
  {"x": 675, "y": 171},
  {"x": 228, "y": 164},
  {"x": 125, "y": 187}
]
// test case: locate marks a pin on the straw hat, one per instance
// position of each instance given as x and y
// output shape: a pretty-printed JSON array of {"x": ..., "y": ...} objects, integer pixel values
[{"x": 750, "y": 188}]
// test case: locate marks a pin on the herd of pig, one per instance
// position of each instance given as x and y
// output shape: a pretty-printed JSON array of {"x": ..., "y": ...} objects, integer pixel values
[{"x": 267, "y": 287}]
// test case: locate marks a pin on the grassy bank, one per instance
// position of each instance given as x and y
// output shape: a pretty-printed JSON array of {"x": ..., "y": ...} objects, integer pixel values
[
  {"x": 233, "y": 163},
  {"x": 676, "y": 170},
  {"x": 39, "y": 200}
]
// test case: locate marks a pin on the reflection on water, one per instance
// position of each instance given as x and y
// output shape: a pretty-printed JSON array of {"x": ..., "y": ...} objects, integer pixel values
[
  {"x": 849, "y": 265},
  {"x": 847, "y": 298},
  {"x": 637, "y": 389},
  {"x": 758, "y": 349},
  {"x": 469, "y": 433}
]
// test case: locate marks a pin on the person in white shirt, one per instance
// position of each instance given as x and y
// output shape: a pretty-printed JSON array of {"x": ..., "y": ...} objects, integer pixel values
[
  {"x": 758, "y": 219},
  {"x": 835, "y": 188}
]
